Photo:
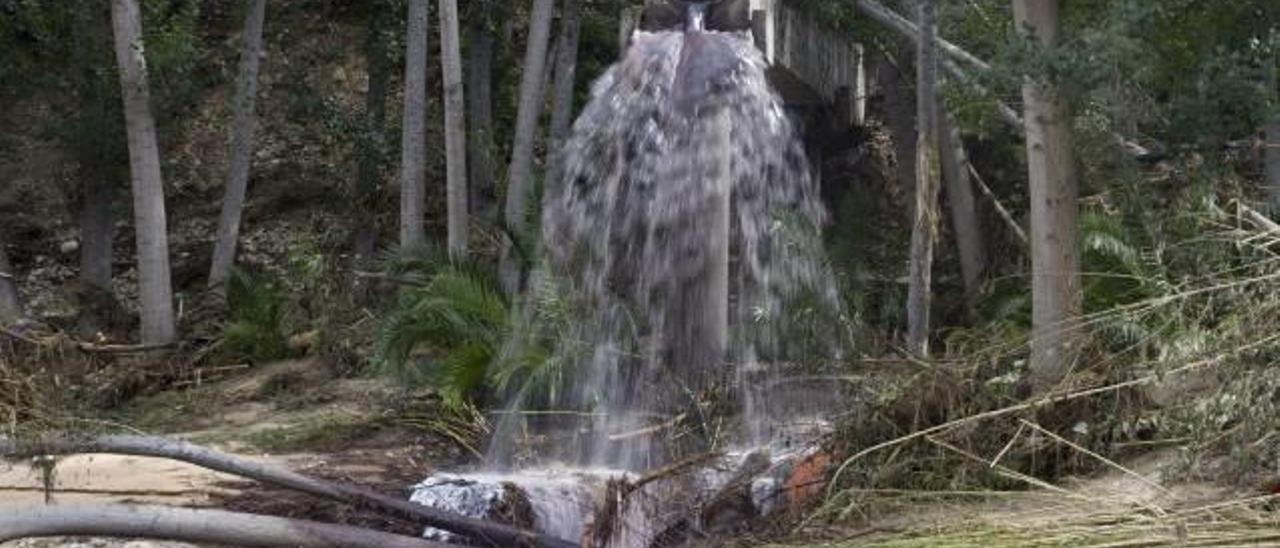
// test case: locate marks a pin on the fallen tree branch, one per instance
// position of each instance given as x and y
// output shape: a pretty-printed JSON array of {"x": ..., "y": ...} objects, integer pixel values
[
  {"x": 122, "y": 348},
  {"x": 1035, "y": 404},
  {"x": 192, "y": 525},
  {"x": 483, "y": 532},
  {"x": 382, "y": 276},
  {"x": 1003, "y": 213},
  {"x": 674, "y": 469},
  {"x": 904, "y": 26},
  {"x": 90, "y": 347},
  {"x": 648, "y": 430},
  {"x": 1258, "y": 218}
]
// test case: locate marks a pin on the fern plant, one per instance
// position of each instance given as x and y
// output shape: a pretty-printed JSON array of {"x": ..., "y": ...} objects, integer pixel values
[
  {"x": 257, "y": 306},
  {"x": 445, "y": 330},
  {"x": 452, "y": 328}
]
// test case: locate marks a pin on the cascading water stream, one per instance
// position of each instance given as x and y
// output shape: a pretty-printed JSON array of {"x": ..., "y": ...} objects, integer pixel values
[
  {"x": 685, "y": 223},
  {"x": 684, "y": 230}
]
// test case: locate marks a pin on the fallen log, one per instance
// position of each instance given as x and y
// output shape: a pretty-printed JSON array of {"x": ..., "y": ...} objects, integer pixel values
[
  {"x": 91, "y": 347},
  {"x": 483, "y": 532},
  {"x": 192, "y": 525}
]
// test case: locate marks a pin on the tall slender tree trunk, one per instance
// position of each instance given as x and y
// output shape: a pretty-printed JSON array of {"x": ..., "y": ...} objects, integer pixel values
[
  {"x": 964, "y": 210},
  {"x": 97, "y": 229},
  {"x": 562, "y": 91},
  {"x": 455, "y": 128},
  {"x": 10, "y": 304},
  {"x": 480, "y": 114},
  {"x": 413, "y": 139},
  {"x": 95, "y": 142},
  {"x": 369, "y": 145},
  {"x": 520, "y": 174},
  {"x": 1271, "y": 143},
  {"x": 95, "y": 176},
  {"x": 155, "y": 292},
  {"x": 1272, "y": 157},
  {"x": 924, "y": 227},
  {"x": 900, "y": 115},
  {"x": 224, "y": 250},
  {"x": 97, "y": 192},
  {"x": 1055, "y": 255}
]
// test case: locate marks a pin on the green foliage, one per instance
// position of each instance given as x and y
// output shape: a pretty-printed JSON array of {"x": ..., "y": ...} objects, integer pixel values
[
  {"x": 445, "y": 331},
  {"x": 255, "y": 330},
  {"x": 452, "y": 328},
  {"x": 538, "y": 359}
]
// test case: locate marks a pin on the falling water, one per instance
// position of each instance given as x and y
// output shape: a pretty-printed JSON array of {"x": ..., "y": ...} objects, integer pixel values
[
  {"x": 685, "y": 223},
  {"x": 684, "y": 232}
]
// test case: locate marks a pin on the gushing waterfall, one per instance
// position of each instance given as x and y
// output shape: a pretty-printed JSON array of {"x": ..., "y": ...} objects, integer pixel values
[{"x": 684, "y": 226}]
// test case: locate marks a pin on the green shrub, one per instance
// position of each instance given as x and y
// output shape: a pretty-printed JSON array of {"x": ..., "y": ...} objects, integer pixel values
[
  {"x": 255, "y": 330},
  {"x": 452, "y": 328}
]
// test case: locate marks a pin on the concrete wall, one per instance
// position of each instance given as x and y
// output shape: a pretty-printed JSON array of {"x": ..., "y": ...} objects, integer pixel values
[{"x": 829, "y": 61}]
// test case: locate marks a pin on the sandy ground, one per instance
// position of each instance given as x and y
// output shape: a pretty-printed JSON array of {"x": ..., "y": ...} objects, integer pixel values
[{"x": 111, "y": 479}]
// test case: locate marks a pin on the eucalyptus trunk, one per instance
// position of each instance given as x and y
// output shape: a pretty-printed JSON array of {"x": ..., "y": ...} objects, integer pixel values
[
  {"x": 924, "y": 225},
  {"x": 480, "y": 52},
  {"x": 95, "y": 148},
  {"x": 224, "y": 251},
  {"x": 1272, "y": 157},
  {"x": 455, "y": 128},
  {"x": 1051, "y": 166},
  {"x": 369, "y": 145},
  {"x": 562, "y": 91},
  {"x": 965, "y": 222},
  {"x": 413, "y": 139},
  {"x": 155, "y": 293},
  {"x": 520, "y": 174},
  {"x": 900, "y": 116},
  {"x": 10, "y": 304},
  {"x": 97, "y": 192}
]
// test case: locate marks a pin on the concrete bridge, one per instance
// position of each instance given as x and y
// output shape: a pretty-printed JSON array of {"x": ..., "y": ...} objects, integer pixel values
[
  {"x": 813, "y": 65},
  {"x": 812, "y": 62}
]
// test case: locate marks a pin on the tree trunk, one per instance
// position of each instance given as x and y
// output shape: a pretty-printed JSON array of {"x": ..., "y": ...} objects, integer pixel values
[
  {"x": 144, "y": 446},
  {"x": 10, "y": 304},
  {"x": 413, "y": 139},
  {"x": 95, "y": 141},
  {"x": 192, "y": 525},
  {"x": 96, "y": 302},
  {"x": 369, "y": 146},
  {"x": 97, "y": 192},
  {"x": 455, "y": 128},
  {"x": 480, "y": 114},
  {"x": 155, "y": 293},
  {"x": 1271, "y": 154},
  {"x": 562, "y": 92},
  {"x": 520, "y": 174},
  {"x": 900, "y": 115},
  {"x": 924, "y": 226},
  {"x": 224, "y": 251},
  {"x": 95, "y": 174},
  {"x": 1055, "y": 256},
  {"x": 964, "y": 211}
]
